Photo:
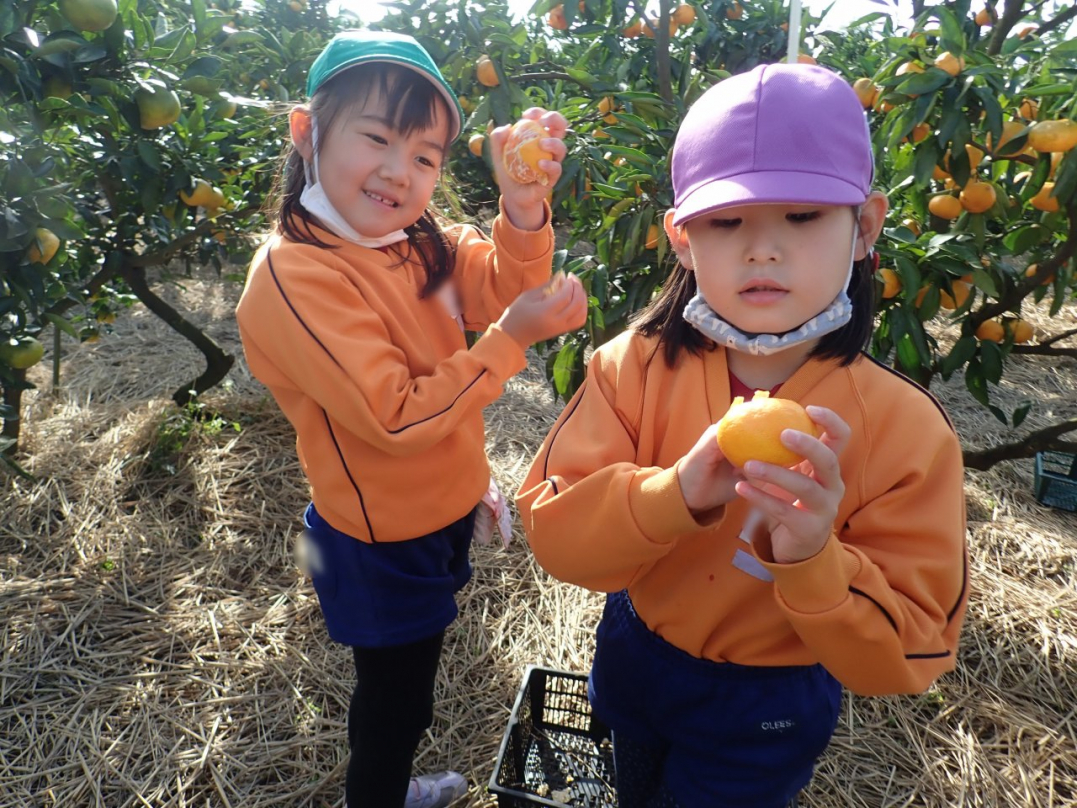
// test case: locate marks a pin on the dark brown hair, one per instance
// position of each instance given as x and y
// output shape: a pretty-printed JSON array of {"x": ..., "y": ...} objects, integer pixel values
[
  {"x": 413, "y": 105},
  {"x": 663, "y": 318}
]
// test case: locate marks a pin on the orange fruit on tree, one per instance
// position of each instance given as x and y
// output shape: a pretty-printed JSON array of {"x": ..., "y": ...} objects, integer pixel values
[
  {"x": 1010, "y": 130},
  {"x": 948, "y": 63},
  {"x": 962, "y": 290},
  {"x": 606, "y": 104},
  {"x": 43, "y": 247},
  {"x": 202, "y": 195},
  {"x": 1043, "y": 199},
  {"x": 57, "y": 87},
  {"x": 945, "y": 206},
  {"x": 1056, "y": 158},
  {"x": 556, "y": 19},
  {"x": 650, "y": 24},
  {"x": 1024, "y": 32},
  {"x": 523, "y": 152},
  {"x": 633, "y": 30},
  {"x": 978, "y": 197},
  {"x": 734, "y": 12},
  {"x": 485, "y": 72},
  {"x": 909, "y": 67},
  {"x": 806, "y": 59},
  {"x": 1022, "y": 331},
  {"x": 891, "y": 283},
  {"x": 684, "y": 14},
  {"x": 919, "y": 132},
  {"x": 751, "y": 430},
  {"x": 1033, "y": 269},
  {"x": 21, "y": 353},
  {"x": 983, "y": 16},
  {"x": 912, "y": 225},
  {"x": 474, "y": 144},
  {"x": 158, "y": 106},
  {"x": 90, "y": 15},
  {"x": 652, "y": 237},
  {"x": 990, "y": 331},
  {"x": 1053, "y": 136},
  {"x": 939, "y": 175},
  {"x": 1029, "y": 109},
  {"x": 866, "y": 91}
]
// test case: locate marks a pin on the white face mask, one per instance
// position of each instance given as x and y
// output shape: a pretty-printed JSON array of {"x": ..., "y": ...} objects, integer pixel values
[
  {"x": 699, "y": 314},
  {"x": 316, "y": 203}
]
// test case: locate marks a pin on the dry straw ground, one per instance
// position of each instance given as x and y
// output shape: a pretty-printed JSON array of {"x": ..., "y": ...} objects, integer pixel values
[{"x": 159, "y": 647}]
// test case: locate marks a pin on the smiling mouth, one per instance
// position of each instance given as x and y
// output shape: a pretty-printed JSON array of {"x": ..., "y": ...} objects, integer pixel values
[{"x": 382, "y": 199}]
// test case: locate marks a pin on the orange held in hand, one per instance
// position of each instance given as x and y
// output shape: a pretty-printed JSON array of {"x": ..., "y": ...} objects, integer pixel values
[
  {"x": 523, "y": 152},
  {"x": 752, "y": 430}
]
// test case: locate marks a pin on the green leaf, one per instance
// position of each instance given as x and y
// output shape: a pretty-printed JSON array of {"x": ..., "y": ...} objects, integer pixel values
[
  {"x": 1023, "y": 239},
  {"x": 563, "y": 367},
  {"x": 62, "y": 323},
  {"x": 149, "y": 155},
  {"x": 1020, "y": 413},
  {"x": 991, "y": 361},
  {"x": 926, "y": 82},
  {"x": 964, "y": 349},
  {"x": 975, "y": 382}
]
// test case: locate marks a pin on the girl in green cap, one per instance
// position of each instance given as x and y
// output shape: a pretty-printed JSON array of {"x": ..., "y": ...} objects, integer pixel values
[{"x": 353, "y": 316}]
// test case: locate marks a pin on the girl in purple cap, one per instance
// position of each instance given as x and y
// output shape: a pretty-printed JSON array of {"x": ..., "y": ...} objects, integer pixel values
[
  {"x": 741, "y": 601},
  {"x": 353, "y": 316}
]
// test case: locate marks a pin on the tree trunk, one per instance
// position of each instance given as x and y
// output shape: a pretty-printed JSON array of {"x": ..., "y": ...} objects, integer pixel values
[
  {"x": 218, "y": 362},
  {"x": 13, "y": 401}
]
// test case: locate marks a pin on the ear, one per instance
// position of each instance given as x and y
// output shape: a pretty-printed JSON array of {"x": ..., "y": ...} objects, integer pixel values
[
  {"x": 678, "y": 239},
  {"x": 872, "y": 218},
  {"x": 299, "y": 122}
]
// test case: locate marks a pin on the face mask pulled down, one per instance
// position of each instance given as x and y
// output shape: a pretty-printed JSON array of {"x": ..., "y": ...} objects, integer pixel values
[
  {"x": 316, "y": 203},
  {"x": 706, "y": 320}
]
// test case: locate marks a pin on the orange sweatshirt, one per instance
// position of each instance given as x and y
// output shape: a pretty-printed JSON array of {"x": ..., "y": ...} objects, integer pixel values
[
  {"x": 880, "y": 606},
  {"x": 384, "y": 394}
]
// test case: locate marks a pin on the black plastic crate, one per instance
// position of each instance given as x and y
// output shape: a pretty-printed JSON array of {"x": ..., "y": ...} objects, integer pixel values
[
  {"x": 1055, "y": 480},
  {"x": 555, "y": 752}
]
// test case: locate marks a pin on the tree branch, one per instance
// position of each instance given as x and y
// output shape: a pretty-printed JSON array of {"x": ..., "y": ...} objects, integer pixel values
[
  {"x": 203, "y": 228},
  {"x": 1042, "y": 440},
  {"x": 1011, "y": 15},
  {"x": 661, "y": 47},
  {"x": 1061, "y": 19},
  {"x": 218, "y": 363},
  {"x": 1046, "y": 269}
]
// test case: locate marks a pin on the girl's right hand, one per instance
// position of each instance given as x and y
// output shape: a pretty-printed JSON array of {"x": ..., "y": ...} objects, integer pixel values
[
  {"x": 707, "y": 479},
  {"x": 546, "y": 311}
]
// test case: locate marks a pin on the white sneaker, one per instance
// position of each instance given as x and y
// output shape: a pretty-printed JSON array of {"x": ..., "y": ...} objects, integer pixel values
[{"x": 435, "y": 790}]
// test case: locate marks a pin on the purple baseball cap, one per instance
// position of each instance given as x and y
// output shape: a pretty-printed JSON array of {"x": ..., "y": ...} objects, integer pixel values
[{"x": 785, "y": 134}]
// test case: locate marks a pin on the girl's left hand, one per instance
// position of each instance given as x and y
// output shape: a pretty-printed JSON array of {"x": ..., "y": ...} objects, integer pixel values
[
  {"x": 801, "y": 503},
  {"x": 524, "y": 203}
]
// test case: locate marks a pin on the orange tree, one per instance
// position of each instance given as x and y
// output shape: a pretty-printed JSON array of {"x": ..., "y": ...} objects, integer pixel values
[
  {"x": 133, "y": 135},
  {"x": 971, "y": 112}
]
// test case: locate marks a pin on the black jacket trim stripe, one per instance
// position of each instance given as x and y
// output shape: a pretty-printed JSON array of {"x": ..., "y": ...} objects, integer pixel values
[{"x": 351, "y": 479}]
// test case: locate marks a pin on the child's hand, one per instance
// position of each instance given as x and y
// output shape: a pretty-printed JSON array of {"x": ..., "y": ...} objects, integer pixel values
[
  {"x": 546, "y": 311},
  {"x": 523, "y": 203},
  {"x": 801, "y": 503},
  {"x": 706, "y": 478}
]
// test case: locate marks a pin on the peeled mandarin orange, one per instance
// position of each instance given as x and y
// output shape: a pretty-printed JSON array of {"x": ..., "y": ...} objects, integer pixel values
[
  {"x": 751, "y": 430},
  {"x": 523, "y": 152}
]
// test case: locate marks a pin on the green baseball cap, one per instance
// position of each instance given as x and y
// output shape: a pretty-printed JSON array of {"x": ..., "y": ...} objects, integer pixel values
[{"x": 351, "y": 48}]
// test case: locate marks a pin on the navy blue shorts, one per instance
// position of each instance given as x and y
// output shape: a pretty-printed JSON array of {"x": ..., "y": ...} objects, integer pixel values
[
  {"x": 390, "y": 593},
  {"x": 731, "y": 736}
]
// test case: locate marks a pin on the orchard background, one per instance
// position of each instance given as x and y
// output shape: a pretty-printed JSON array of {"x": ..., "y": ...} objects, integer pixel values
[{"x": 159, "y": 646}]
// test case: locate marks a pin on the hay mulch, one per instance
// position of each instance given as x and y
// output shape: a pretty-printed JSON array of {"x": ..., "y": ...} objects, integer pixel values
[{"x": 161, "y": 649}]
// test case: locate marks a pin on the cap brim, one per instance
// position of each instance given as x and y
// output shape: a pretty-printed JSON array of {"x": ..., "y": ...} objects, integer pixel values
[{"x": 768, "y": 188}]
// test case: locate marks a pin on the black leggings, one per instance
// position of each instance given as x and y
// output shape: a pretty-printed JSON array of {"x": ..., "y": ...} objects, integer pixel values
[{"x": 393, "y": 704}]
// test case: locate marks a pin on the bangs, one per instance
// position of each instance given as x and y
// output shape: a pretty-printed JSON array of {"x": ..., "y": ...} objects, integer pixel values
[{"x": 412, "y": 102}]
